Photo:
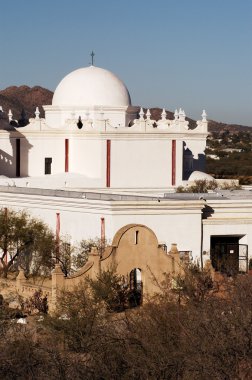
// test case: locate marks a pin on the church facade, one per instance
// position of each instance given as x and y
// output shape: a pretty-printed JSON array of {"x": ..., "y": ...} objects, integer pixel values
[
  {"x": 100, "y": 164},
  {"x": 92, "y": 129}
]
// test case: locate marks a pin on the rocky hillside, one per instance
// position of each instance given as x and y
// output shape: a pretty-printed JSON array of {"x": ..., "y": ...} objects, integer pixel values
[
  {"x": 28, "y": 98},
  {"x": 215, "y": 126},
  {"x": 24, "y": 98}
]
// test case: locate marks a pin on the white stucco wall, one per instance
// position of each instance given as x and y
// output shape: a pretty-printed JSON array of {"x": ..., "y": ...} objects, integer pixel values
[
  {"x": 88, "y": 156},
  {"x": 41, "y": 147},
  {"x": 172, "y": 222},
  {"x": 141, "y": 163}
]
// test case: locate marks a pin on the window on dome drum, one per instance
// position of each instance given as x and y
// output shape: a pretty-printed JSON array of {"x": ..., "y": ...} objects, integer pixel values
[
  {"x": 136, "y": 237},
  {"x": 48, "y": 165}
]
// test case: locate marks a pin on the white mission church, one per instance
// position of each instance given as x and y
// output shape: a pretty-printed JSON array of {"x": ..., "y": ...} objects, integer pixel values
[{"x": 100, "y": 164}]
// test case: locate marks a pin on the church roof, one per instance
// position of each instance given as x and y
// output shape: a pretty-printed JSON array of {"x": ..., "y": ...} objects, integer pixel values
[{"x": 91, "y": 86}]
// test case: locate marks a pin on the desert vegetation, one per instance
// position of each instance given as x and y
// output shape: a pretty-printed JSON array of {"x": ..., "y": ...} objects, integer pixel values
[
  {"x": 229, "y": 154},
  {"x": 195, "y": 328},
  {"x": 203, "y": 186}
]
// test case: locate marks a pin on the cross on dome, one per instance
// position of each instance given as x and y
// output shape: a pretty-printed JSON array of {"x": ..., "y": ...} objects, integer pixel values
[{"x": 92, "y": 58}]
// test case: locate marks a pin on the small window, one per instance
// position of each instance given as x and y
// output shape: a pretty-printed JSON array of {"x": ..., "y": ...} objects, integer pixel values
[
  {"x": 48, "y": 165},
  {"x": 136, "y": 237}
]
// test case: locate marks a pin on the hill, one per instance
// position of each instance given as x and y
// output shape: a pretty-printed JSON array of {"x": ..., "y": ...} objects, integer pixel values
[
  {"x": 215, "y": 126},
  {"x": 25, "y": 98}
]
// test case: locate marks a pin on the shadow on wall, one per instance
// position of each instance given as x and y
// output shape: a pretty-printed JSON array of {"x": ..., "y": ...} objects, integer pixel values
[
  {"x": 187, "y": 162},
  {"x": 15, "y": 164},
  {"x": 191, "y": 164},
  {"x": 199, "y": 163}
]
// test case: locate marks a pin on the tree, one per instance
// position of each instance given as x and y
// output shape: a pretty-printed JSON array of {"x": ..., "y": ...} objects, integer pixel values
[
  {"x": 78, "y": 318},
  {"x": 82, "y": 251},
  {"x": 112, "y": 289},
  {"x": 64, "y": 254},
  {"x": 26, "y": 242},
  {"x": 195, "y": 285},
  {"x": 72, "y": 257}
]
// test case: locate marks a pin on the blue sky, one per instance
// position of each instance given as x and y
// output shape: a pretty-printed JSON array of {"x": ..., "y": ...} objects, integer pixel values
[{"x": 192, "y": 54}]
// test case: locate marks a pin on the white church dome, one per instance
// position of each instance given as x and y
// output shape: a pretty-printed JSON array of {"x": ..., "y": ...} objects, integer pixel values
[{"x": 91, "y": 86}]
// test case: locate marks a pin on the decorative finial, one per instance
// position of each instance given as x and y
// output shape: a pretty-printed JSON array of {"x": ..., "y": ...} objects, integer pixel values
[
  {"x": 141, "y": 114},
  {"x": 182, "y": 114},
  {"x": 163, "y": 114},
  {"x": 37, "y": 113},
  {"x": 10, "y": 115},
  {"x": 148, "y": 114},
  {"x": 176, "y": 114},
  {"x": 204, "y": 116},
  {"x": 92, "y": 58}
]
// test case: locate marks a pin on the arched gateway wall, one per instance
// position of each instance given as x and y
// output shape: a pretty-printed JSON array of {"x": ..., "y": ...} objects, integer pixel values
[{"x": 134, "y": 247}]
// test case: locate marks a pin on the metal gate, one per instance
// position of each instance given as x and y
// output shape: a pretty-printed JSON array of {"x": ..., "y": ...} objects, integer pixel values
[
  {"x": 230, "y": 258},
  {"x": 243, "y": 258}
]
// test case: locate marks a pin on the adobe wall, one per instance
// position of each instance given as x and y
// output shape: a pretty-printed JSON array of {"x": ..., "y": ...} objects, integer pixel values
[{"x": 134, "y": 247}]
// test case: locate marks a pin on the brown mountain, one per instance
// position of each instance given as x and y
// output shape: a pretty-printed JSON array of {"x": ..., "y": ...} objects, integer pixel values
[
  {"x": 28, "y": 98},
  {"x": 215, "y": 126},
  {"x": 25, "y": 98}
]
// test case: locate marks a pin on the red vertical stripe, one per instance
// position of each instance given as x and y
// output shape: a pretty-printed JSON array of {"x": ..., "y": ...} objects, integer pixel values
[
  {"x": 173, "y": 162},
  {"x": 66, "y": 155},
  {"x": 108, "y": 163}
]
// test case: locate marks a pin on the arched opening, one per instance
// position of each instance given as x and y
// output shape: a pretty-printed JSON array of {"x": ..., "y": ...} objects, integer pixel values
[{"x": 136, "y": 287}]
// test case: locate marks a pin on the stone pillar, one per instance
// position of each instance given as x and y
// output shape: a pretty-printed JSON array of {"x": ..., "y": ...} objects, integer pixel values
[
  {"x": 58, "y": 282},
  {"x": 174, "y": 253},
  {"x": 96, "y": 258}
]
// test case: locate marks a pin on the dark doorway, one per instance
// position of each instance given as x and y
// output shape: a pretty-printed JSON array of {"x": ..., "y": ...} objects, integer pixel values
[
  {"x": 48, "y": 165},
  {"x": 227, "y": 255},
  {"x": 136, "y": 288}
]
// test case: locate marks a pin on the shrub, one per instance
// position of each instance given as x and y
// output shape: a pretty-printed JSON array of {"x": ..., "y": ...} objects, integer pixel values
[
  {"x": 110, "y": 287},
  {"x": 37, "y": 302}
]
